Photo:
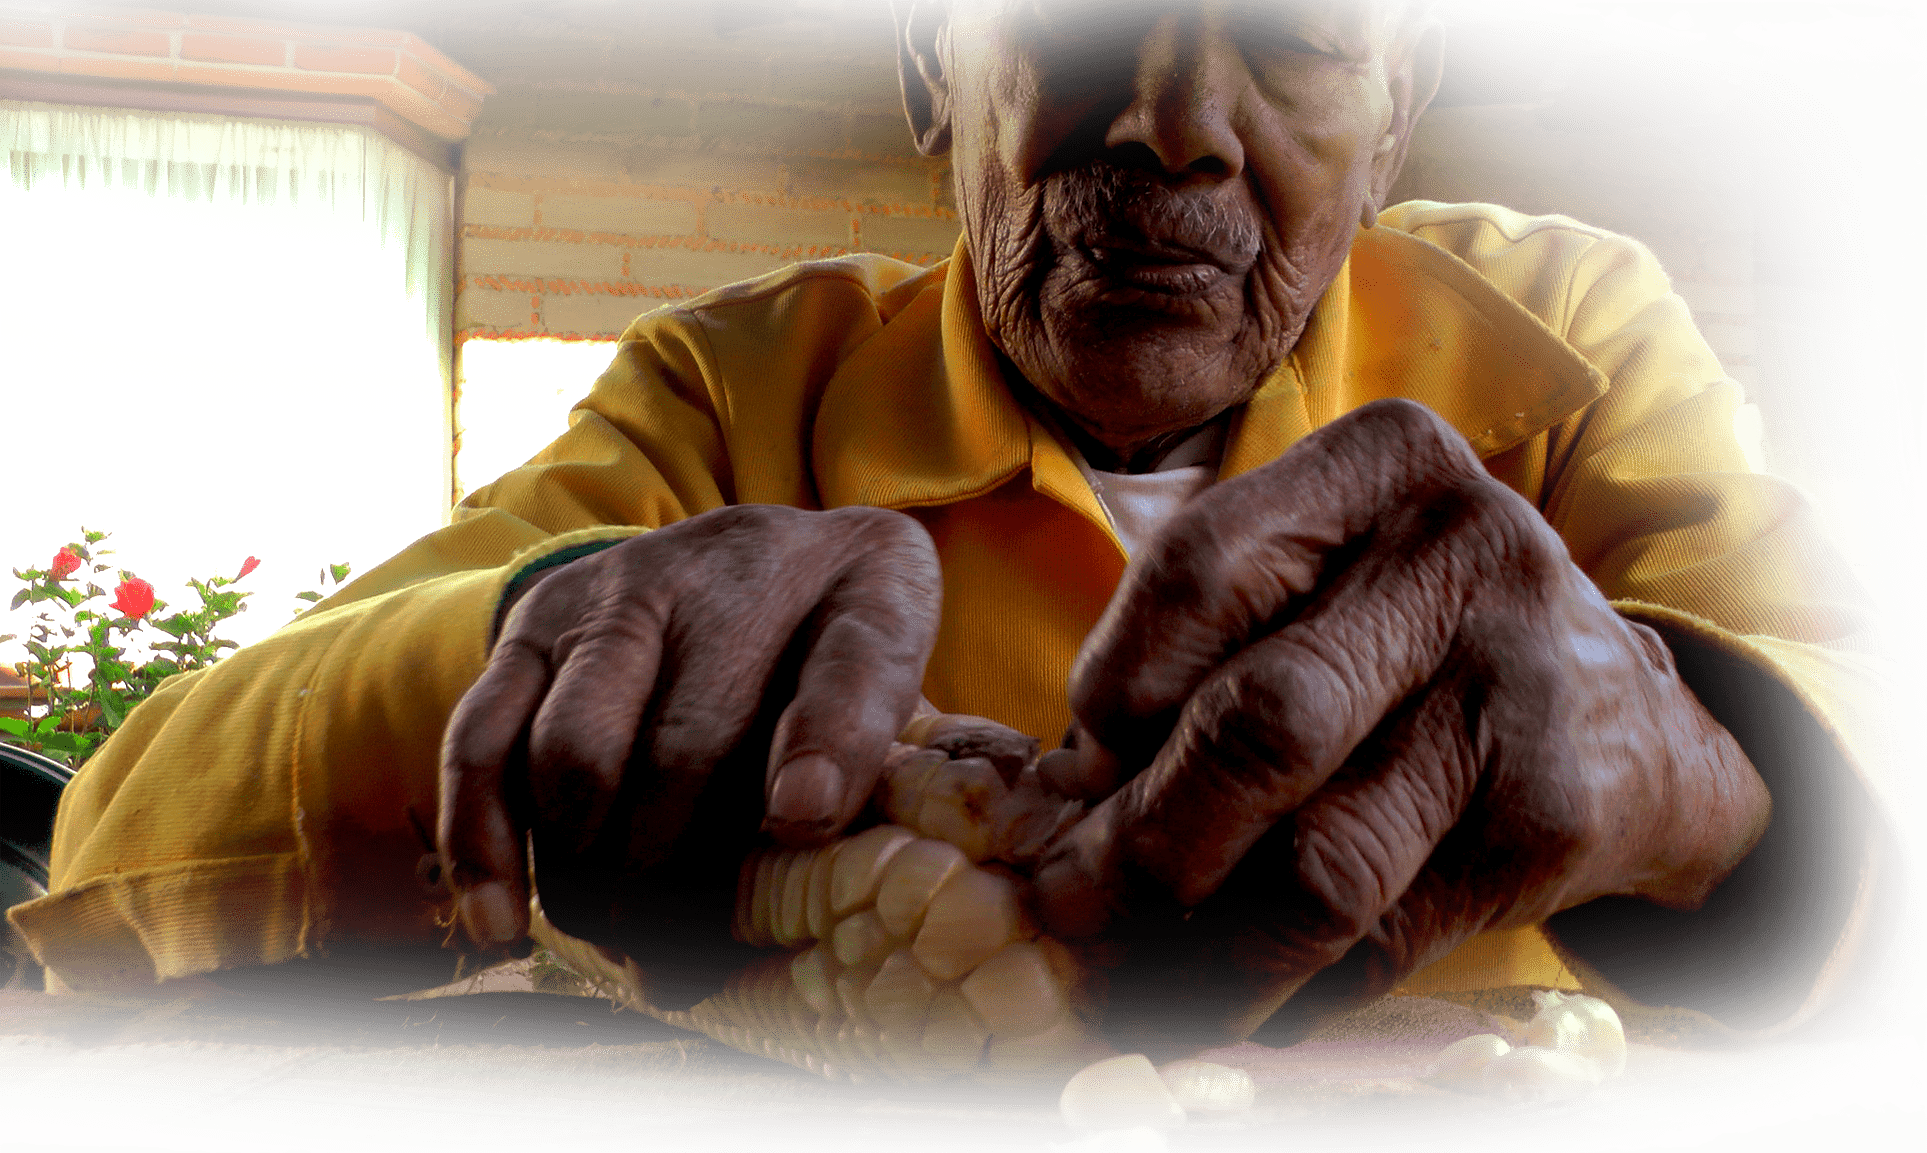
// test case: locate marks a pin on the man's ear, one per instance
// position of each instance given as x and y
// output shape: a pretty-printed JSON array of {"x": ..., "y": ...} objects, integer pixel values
[
  {"x": 926, "y": 87},
  {"x": 1418, "y": 68}
]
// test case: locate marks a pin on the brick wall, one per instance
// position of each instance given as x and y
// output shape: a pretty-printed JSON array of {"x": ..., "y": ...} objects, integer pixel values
[{"x": 616, "y": 169}]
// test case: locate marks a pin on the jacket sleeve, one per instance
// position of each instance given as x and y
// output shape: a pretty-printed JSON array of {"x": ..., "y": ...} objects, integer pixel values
[
  {"x": 283, "y": 801},
  {"x": 1767, "y": 626}
]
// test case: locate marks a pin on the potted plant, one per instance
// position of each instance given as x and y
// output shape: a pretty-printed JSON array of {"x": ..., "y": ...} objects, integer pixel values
[{"x": 93, "y": 655}]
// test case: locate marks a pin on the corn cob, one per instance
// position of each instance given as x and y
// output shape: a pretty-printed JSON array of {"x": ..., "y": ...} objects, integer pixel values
[{"x": 904, "y": 952}]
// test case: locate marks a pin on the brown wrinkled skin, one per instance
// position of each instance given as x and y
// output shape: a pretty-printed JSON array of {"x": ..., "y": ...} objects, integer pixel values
[
  {"x": 648, "y": 707},
  {"x": 1155, "y": 195},
  {"x": 1351, "y": 707},
  {"x": 1367, "y": 707}
]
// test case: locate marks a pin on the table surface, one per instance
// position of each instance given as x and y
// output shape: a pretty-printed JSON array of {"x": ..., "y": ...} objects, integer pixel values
[{"x": 515, "y": 1069}]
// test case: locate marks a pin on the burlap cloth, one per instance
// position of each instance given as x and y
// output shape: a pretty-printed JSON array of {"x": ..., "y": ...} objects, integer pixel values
[{"x": 531, "y": 1070}]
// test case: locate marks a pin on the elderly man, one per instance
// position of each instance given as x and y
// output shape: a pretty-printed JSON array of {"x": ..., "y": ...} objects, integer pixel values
[{"x": 1450, "y": 604}]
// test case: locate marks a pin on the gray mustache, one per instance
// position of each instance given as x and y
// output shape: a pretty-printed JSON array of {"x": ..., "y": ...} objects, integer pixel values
[{"x": 1108, "y": 203}]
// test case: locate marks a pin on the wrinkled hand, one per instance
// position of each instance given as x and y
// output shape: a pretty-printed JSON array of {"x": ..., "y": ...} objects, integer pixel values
[
  {"x": 646, "y": 708},
  {"x": 1363, "y": 706}
]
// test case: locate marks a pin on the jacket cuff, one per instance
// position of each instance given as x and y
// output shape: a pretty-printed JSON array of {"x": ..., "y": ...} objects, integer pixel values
[
  {"x": 1790, "y": 934},
  {"x": 588, "y": 542}
]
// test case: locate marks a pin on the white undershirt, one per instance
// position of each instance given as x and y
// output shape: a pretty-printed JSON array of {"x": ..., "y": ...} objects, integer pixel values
[{"x": 1138, "y": 504}]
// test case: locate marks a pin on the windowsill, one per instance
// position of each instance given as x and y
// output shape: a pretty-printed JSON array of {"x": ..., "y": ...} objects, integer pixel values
[{"x": 161, "y": 61}]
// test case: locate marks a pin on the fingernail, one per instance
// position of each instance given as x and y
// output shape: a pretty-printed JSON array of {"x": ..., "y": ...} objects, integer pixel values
[
  {"x": 807, "y": 791},
  {"x": 1069, "y": 901},
  {"x": 1057, "y": 770},
  {"x": 1099, "y": 768},
  {"x": 489, "y": 913},
  {"x": 1086, "y": 773}
]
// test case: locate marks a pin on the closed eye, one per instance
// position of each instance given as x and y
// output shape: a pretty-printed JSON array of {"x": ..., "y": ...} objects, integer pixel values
[
  {"x": 1288, "y": 42},
  {"x": 1272, "y": 30}
]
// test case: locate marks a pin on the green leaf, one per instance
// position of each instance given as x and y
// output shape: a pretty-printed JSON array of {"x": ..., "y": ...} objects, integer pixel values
[
  {"x": 112, "y": 712},
  {"x": 69, "y": 743},
  {"x": 20, "y": 598},
  {"x": 340, "y": 571},
  {"x": 18, "y": 726},
  {"x": 46, "y": 725},
  {"x": 310, "y": 597}
]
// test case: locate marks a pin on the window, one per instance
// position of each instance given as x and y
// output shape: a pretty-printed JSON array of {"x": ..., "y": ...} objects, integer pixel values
[
  {"x": 514, "y": 399},
  {"x": 220, "y": 338}
]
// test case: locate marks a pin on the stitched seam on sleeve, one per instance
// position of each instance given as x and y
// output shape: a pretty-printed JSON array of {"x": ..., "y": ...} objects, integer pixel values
[
  {"x": 313, "y": 925},
  {"x": 1568, "y": 306},
  {"x": 719, "y": 389}
]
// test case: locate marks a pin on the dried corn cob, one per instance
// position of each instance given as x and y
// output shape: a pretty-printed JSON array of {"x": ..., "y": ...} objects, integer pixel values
[{"x": 902, "y": 952}]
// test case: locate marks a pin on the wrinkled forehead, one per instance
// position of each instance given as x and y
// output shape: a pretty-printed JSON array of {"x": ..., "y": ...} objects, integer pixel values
[{"x": 1376, "y": 14}]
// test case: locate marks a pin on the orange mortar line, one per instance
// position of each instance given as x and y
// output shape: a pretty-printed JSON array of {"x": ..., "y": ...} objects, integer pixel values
[
  {"x": 576, "y": 236},
  {"x": 571, "y": 288},
  {"x": 536, "y": 185},
  {"x": 484, "y": 333},
  {"x": 726, "y": 147},
  {"x": 613, "y": 239},
  {"x": 618, "y": 88},
  {"x": 838, "y": 204},
  {"x": 701, "y": 196}
]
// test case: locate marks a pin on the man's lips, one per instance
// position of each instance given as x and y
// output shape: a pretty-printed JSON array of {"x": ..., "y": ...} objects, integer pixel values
[{"x": 1161, "y": 268}]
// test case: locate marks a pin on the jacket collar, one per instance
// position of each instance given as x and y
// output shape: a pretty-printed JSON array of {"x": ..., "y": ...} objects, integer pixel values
[{"x": 920, "y": 414}]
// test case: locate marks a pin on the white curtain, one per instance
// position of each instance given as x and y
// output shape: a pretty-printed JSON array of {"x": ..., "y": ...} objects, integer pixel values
[{"x": 219, "y": 338}]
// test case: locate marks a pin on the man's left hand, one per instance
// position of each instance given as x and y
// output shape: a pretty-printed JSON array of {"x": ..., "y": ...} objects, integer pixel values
[{"x": 1362, "y": 705}]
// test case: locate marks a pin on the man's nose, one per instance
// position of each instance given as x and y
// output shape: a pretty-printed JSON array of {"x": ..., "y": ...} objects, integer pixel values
[{"x": 1184, "y": 91}]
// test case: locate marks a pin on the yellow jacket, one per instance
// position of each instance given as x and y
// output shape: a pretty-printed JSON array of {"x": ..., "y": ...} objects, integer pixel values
[{"x": 280, "y": 802}]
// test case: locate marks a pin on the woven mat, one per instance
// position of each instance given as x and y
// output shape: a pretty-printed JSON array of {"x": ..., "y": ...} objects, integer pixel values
[{"x": 519, "y": 1069}]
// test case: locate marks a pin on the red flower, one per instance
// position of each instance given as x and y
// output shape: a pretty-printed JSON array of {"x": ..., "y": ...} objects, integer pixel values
[
  {"x": 65, "y": 562},
  {"x": 248, "y": 566},
  {"x": 133, "y": 598}
]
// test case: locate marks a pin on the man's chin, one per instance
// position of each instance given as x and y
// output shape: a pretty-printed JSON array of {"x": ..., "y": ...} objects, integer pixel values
[
  {"x": 1120, "y": 300},
  {"x": 1129, "y": 387}
]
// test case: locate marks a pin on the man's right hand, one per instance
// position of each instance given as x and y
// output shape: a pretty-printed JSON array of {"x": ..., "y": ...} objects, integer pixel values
[{"x": 647, "y": 708}]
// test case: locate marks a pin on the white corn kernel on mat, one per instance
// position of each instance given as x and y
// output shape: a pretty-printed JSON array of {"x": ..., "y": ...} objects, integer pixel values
[{"x": 206, "y": 1075}]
